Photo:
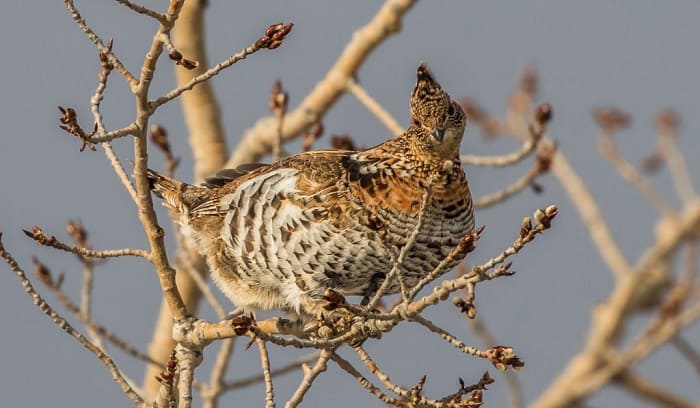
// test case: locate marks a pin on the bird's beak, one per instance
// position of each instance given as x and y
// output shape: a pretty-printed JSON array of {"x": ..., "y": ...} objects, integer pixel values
[{"x": 438, "y": 133}]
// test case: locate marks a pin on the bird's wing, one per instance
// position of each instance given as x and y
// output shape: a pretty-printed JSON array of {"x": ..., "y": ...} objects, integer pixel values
[
  {"x": 228, "y": 175},
  {"x": 311, "y": 173}
]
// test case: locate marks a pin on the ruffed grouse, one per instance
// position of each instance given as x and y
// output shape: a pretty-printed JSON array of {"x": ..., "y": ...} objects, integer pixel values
[{"x": 278, "y": 236}]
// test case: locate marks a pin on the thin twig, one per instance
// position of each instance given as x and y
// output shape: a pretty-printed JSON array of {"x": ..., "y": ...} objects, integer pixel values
[
  {"x": 293, "y": 366},
  {"x": 142, "y": 10},
  {"x": 129, "y": 130},
  {"x": 101, "y": 330},
  {"x": 364, "y": 382},
  {"x": 591, "y": 216},
  {"x": 187, "y": 266},
  {"x": 310, "y": 375},
  {"x": 688, "y": 351},
  {"x": 478, "y": 273},
  {"x": 515, "y": 389},
  {"x": 381, "y": 376},
  {"x": 95, "y": 103},
  {"x": 265, "y": 363},
  {"x": 492, "y": 199},
  {"x": 649, "y": 391},
  {"x": 395, "y": 271},
  {"x": 667, "y": 125},
  {"x": 204, "y": 77},
  {"x": 536, "y": 133},
  {"x": 216, "y": 382},
  {"x": 80, "y": 21},
  {"x": 465, "y": 245},
  {"x": 37, "y": 234},
  {"x": 632, "y": 175},
  {"x": 66, "y": 327},
  {"x": 445, "y": 335},
  {"x": 86, "y": 302},
  {"x": 119, "y": 169},
  {"x": 359, "y": 92},
  {"x": 543, "y": 162}
]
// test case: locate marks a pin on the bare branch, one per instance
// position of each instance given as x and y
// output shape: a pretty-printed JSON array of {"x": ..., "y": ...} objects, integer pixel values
[
  {"x": 66, "y": 327},
  {"x": 80, "y": 21},
  {"x": 667, "y": 123},
  {"x": 688, "y": 351},
  {"x": 593, "y": 219},
  {"x": 265, "y": 363},
  {"x": 536, "y": 131},
  {"x": 648, "y": 391},
  {"x": 359, "y": 92},
  {"x": 91, "y": 324},
  {"x": 285, "y": 369},
  {"x": 478, "y": 273},
  {"x": 187, "y": 362},
  {"x": 129, "y": 130},
  {"x": 37, "y": 234},
  {"x": 142, "y": 10},
  {"x": 624, "y": 168},
  {"x": 310, "y": 375},
  {"x": 514, "y": 386},
  {"x": 253, "y": 48},
  {"x": 381, "y": 376},
  {"x": 542, "y": 165},
  {"x": 395, "y": 272},
  {"x": 364, "y": 382},
  {"x": 258, "y": 140},
  {"x": 193, "y": 273}
]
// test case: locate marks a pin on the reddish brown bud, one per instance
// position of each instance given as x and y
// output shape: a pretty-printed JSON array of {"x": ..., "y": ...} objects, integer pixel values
[
  {"x": 273, "y": 44},
  {"x": 286, "y": 29},
  {"x": 188, "y": 64},
  {"x": 159, "y": 137},
  {"x": 343, "y": 142},
  {"x": 262, "y": 42},
  {"x": 278, "y": 98},
  {"x": 472, "y": 110},
  {"x": 667, "y": 121},
  {"x": 653, "y": 162},
  {"x": 543, "y": 113},
  {"x": 42, "y": 272},
  {"x": 529, "y": 81},
  {"x": 175, "y": 55},
  {"x": 313, "y": 134},
  {"x": 611, "y": 119},
  {"x": 76, "y": 230},
  {"x": 271, "y": 30}
]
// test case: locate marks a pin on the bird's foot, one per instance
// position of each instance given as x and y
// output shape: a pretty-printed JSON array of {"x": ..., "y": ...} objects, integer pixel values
[{"x": 330, "y": 316}]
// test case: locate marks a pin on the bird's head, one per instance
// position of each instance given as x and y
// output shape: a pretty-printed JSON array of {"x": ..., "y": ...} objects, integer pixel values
[{"x": 438, "y": 120}]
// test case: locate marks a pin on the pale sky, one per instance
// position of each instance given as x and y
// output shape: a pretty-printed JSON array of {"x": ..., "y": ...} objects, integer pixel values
[{"x": 637, "y": 55}]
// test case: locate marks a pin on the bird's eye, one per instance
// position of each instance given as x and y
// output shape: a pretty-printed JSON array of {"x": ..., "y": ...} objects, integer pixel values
[{"x": 451, "y": 110}]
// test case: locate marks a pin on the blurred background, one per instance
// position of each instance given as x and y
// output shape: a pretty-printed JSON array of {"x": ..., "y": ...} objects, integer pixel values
[{"x": 636, "y": 55}]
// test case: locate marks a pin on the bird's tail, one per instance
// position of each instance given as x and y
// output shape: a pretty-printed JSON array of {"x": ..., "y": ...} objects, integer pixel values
[{"x": 174, "y": 192}]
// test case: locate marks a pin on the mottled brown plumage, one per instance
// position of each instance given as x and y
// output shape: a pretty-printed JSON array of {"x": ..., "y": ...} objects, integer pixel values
[{"x": 278, "y": 236}]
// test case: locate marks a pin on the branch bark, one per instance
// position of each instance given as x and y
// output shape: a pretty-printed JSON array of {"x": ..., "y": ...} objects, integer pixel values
[{"x": 206, "y": 138}]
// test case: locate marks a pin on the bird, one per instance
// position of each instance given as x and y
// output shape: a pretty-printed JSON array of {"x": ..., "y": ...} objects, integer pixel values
[{"x": 279, "y": 236}]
